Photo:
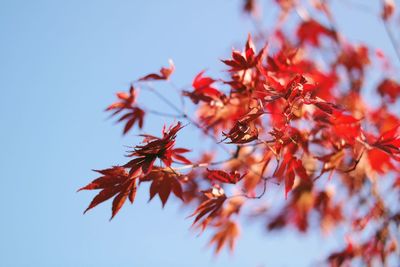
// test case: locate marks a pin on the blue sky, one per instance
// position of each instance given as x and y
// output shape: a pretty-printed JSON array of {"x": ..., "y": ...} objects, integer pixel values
[{"x": 60, "y": 64}]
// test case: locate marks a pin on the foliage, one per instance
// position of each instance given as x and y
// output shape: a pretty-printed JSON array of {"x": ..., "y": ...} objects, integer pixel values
[{"x": 284, "y": 117}]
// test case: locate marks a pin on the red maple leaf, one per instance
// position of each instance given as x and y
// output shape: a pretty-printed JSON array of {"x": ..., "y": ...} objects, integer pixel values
[
  {"x": 203, "y": 90},
  {"x": 164, "y": 74},
  {"x": 389, "y": 88},
  {"x": 345, "y": 126},
  {"x": 209, "y": 208},
  {"x": 354, "y": 57},
  {"x": 246, "y": 60},
  {"x": 133, "y": 114},
  {"x": 163, "y": 182},
  {"x": 114, "y": 182},
  {"x": 155, "y": 147},
  {"x": 244, "y": 130},
  {"x": 311, "y": 31},
  {"x": 379, "y": 160},
  {"x": 389, "y": 142},
  {"x": 287, "y": 170},
  {"x": 227, "y": 235},
  {"x": 388, "y": 9},
  {"x": 217, "y": 175}
]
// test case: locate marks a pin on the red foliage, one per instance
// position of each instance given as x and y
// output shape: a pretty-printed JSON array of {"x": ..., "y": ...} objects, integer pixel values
[
  {"x": 115, "y": 182},
  {"x": 388, "y": 9},
  {"x": 209, "y": 208},
  {"x": 297, "y": 116},
  {"x": 389, "y": 88},
  {"x": 155, "y": 147},
  {"x": 246, "y": 60},
  {"x": 224, "y": 177},
  {"x": 311, "y": 30},
  {"x": 203, "y": 90},
  {"x": 133, "y": 113},
  {"x": 163, "y": 75},
  {"x": 163, "y": 183}
]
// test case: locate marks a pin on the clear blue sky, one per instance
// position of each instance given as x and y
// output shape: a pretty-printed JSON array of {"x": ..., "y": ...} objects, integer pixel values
[{"x": 60, "y": 64}]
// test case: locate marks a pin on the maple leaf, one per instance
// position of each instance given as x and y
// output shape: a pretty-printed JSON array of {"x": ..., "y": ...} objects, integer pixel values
[
  {"x": 246, "y": 60},
  {"x": 389, "y": 88},
  {"x": 338, "y": 258},
  {"x": 125, "y": 101},
  {"x": 226, "y": 235},
  {"x": 250, "y": 7},
  {"x": 133, "y": 113},
  {"x": 163, "y": 182},
  {"x": 232, "y": 178},
  {"x": 345, "y": 126},
  {"x": 155, "y": 147},
  {"x": 296, "y": 210},
  {"x": 164, "y": 74},
  {"x": 384, "y": 119},
  {"x": 354, "y": 57},
  {"x": 288, "y": 169},
  {"x": 244, "y": 131},
  {"x": 176, "y": 154},
  {"x": 114, "y": 182},
  {"x": 311, "y": 30},
  {"x": 388, "y": 9},
  {"x": 289, "y": 136},
  {"x": 332, "y": 160},
  {"x": 136, "y": 115},
  {"x": 325, "y": 106},
  {"x": 379, "y": 160},
  {"x": 204, "y": 91},
  {"x": 284, "y": 61},
  {"x": 241, "y": 133},
  {"x": 209, "y": 208},
  {"x": 389, "y": 142},
  {"x": 330, "y": 212}
]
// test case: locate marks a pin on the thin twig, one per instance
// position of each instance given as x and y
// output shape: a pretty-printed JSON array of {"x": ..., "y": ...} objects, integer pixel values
[
  {"x": 163, "y": 114},
  {"x": 202, "y": 165},
  {"x": 392, "y": 39}
]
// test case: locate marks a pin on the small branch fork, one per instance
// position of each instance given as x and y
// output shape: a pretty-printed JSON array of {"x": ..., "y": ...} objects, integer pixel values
[{"x": 392, "y": 39}]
